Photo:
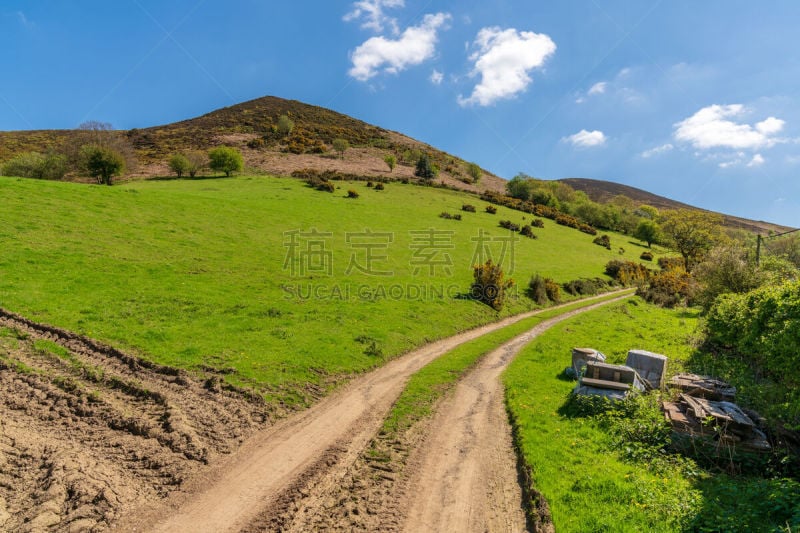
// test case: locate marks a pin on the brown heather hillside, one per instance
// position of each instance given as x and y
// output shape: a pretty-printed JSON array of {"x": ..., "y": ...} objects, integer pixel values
[{"x": 603, "y": 191}]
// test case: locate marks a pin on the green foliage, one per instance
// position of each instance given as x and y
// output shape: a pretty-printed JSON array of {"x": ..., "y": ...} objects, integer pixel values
[
  {"x": 50, "y": 166},
  {"x": 379, "y": 187},
  {"x": 225, "y": 159},
  {"x": 648, "y": 231},
  {"x": 197, "y": 162},
  {"x": 469, "y": 208},
  {"x": 425, "y": 169},
  {"x": 527, "y": 231},
  {"x": 474, "y": 172},
  {"x": 603, "y": 240},
  {"x": 726, "y": 269},
  {"x": 492, "y": 210},
  {"x": 341, "y": 146},
  {"x": 489, "y": 285},
  {"x": 646, "y": 256},
  {"x": 449, "y": 216},
  {"x": 669, "y": 288},
  {"x": 537, "y": 290},
  {"x": 520, "y": 187},
  {"x": 179, "y": 164},
  {"x": 352, "y": 193},
  {"x": 390, "y": 161},
  {"x": 285, "y": 125},
  {"x": 507, "y": 224},
  {"x": 585, "y": 286},
  {"x": 628, "y": 272},
  {"x": 691, "y": 233},
  {"x": 101, "y": 163}
]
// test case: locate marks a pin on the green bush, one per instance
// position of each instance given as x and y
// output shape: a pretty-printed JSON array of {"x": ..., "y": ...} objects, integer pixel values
[
  {"x": 101, "y": 163},
  {"x": 627, "y": 272},
  {"x": 469, "y": 208},
  {"x": 352, "y": 193},
  {"x": 507, "y": 224},
  {"x": 379, "y": 186},
  {"x": 669, "y": 288},
  {"x": 489, "y": 285},
  {"x": 537, "y": 223},
  {"x": 537, "y": 290},
  {"x": 179, "y": 164},
  {"x": 527, "y": 231},
  {"x": 604, "y": 241},
  {"x": 449, "y": 216},
  {"x": 492, "y": 210},
  {"x": 425, "y": 169},
  {"x": 646, "y": 256},
  {"x": 225, "y": 159},
  {"x": 49, "y": 166}
]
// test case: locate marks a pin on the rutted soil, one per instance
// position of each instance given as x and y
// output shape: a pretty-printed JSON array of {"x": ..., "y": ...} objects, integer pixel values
[{"x": 88, "y": 432}]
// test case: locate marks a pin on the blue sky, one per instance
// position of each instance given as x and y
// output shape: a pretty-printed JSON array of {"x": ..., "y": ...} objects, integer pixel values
[{"x": 697, "y": 101}]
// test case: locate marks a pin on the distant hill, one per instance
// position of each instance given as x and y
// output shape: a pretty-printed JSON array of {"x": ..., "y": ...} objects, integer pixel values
[{"x": 603, "y": 191}]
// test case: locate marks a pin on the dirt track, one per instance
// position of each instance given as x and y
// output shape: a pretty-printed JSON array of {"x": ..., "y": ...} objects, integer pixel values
[{"x": 288, "y": 472}]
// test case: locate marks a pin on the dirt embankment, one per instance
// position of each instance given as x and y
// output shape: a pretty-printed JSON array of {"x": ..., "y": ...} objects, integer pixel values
[{"x": 88, "y": 432}]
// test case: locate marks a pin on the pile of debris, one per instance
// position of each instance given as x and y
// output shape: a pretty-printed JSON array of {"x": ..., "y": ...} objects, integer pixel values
[
  {"x": 642, "y": 371},
  {"x": 705, "y": 406}
]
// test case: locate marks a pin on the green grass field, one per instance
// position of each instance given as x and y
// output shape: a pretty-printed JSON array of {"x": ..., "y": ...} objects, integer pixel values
[{"x": 194, "y": 273}]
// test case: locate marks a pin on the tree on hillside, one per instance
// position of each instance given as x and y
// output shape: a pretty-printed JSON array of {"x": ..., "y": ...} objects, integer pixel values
[
  {"x": 691, "y": 233},
  {"x": 520, "y": 187},
  {"x": 425, "y": 169},
  {"x": 390, "y": 161},
  {"x": 341, "y": 146},
  {"x": 285, "y": 125},
  {"x": 726, "y": 269},
  {"x": 648, "y": 231},
  {"x": 197, "y": 162},
  {"x": 225, "y": 159},
  {"x": 179, "y": 164},
  {"x": 102, "y": 163},
  {"x": 647, "y": 211},
  {"x": 49, "y": 166},
  {"x": 101, "y": 134},
  {"x": 474, "y": 172}
]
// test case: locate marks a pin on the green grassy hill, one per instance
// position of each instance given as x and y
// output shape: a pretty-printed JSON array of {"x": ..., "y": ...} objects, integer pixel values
[{"x": 194, "y": 273}]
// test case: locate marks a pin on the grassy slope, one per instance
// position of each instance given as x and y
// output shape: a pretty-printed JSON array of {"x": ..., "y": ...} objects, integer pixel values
[
  {"x": 588, "y": 486},
  {"x": 189, "y": 273}
]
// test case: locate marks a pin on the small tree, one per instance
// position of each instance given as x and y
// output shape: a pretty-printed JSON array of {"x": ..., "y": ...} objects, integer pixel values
[
  {"x": 474, "y": 172},
  {"x": 341, "y": 146},
  {"x": 179, "y": 164},
  {"x": 390, "y": 161},
  {"x": 225, "y": 159},
  {"x": 489, "y": 285},
  {"x": 424, "y": 168},
  {"x": 520, "y": 186},
  {"x": 50, "y": 166},
  {"x": 648, "y": 231},
  {"x": 691, "y": 233},
  {"x": 197, "y": 162},
  {"x": 102, "y": 163},
  {"x": 285, "y": 125}
]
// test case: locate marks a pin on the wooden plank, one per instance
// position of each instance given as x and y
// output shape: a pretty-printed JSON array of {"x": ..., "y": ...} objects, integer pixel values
[{"x": 605, "y": 384}]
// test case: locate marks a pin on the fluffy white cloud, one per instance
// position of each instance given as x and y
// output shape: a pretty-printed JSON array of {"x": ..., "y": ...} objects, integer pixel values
[
  {"x": 504, "y": 59},
  {"x": 436, "y": 77},
  {"x": 598, "y": 88},
  {"x": 712, "y": 127},
  {"x": 414, "y": 46},
  {"x": 658, "y": 150},
  {"x": 586, "y": 139},
  {"x": 373, "y": 15},
  {"x": 757, "y": 161}
]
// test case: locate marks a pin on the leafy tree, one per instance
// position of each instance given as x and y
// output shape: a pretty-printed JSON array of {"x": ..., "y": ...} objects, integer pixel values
[
  {"x": 474, "y": 172},
  {"x": 691, "y": 233},
  {"x": 647, "y": 211},
  {"x": 520, "y": 187},
  {"x": 102, "y": 163},
  {"x": 489, "y": 285},
  {"x": 179, "y": 164},
  {"x": 197, "y": 162},
  {"x": 50, "y": 166},
  {"x": 424, "y": 168},
  {"x": 285, "y": 125},
  {"x": 726, "y": 269},
  {"x": 225, "y": 159},
  {"x": 100, "y": 134},
  {"x": 390, "y": 161},
  {"x": 648, "y": 231},
  {"x": 341, "y": 146}
]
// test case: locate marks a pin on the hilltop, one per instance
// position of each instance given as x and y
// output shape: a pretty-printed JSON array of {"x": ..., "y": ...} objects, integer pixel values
[{"x": 603, "y": 191}]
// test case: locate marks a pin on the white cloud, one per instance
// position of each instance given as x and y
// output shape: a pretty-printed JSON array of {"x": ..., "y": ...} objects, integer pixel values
[
  {"x": 586, "y": 139},
  {"x": 711, "y": 127},
  {"x": 757, "y": 161},
  {"x": 436, "y": 77},
  {"x": 598, "y": 88},
  {"x": 504, "y": 59},
  {"x": 658, "y": 150},
  {"x": 580, "y": 100},
  {"x": 373, "y": 15},
  {"x": 414, "y": 46}
]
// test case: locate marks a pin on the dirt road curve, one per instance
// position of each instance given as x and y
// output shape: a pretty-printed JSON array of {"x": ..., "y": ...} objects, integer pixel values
[
  {"x": 468, "y": 478},
  {"x": 270, "y": 473}
]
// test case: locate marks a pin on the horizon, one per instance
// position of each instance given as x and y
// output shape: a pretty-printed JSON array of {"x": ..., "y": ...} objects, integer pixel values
[{"x": 693, "y": 103}]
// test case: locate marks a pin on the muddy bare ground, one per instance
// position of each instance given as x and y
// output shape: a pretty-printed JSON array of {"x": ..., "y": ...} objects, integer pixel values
[{"x": 88, "y": 433}]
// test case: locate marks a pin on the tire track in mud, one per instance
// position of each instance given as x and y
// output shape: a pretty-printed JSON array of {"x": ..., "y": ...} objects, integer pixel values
[
  {"x": 292, "y": 468},
  {"x": 88, "y": 432}
]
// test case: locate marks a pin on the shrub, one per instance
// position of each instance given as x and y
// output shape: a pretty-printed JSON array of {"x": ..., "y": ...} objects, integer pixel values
[
  {"x": 553, "y": 290},
  {"x": 390, "y": 161},
  {"x": 325, "y": 186},
  {"x": 627, "y": 272},
  {"x": 646, "y": 256},
  {"x": 474, "y": 172},
  {"x": 341, "y": 146},
  {"x": 527, "y": 231},
  {"x": 285, "y": 125},
  {"x": 448, "y": 216},
  {"x": 584, "y": 287},
  {"x": 197, "y": 162},
  {"x": 669, "y": 288},
  {"x": 492, "y": 210},
  {"x": 489, "y": 285},
  {"x": 225, "y": 159},
  {"x": 257, "y": 143},
  {"x": 603, "y": 241},
  {"x": 424, "y": 168},
  {"x": 50, "y": 166},
  {"x": 537, "y": 289},
  {"x": 537, "y": 223},
  {"x": 352, "y": 194},
  {"x": 179, "y": 164},
  {"x": 379, "y": 186},
  {"x": 370, "y": 184},
  {"x": 670, "y": 263},
  {"x": 469, "y": 208},
  {"x": 101, "y": 163},
  {"x": 507, "y": 224}
]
